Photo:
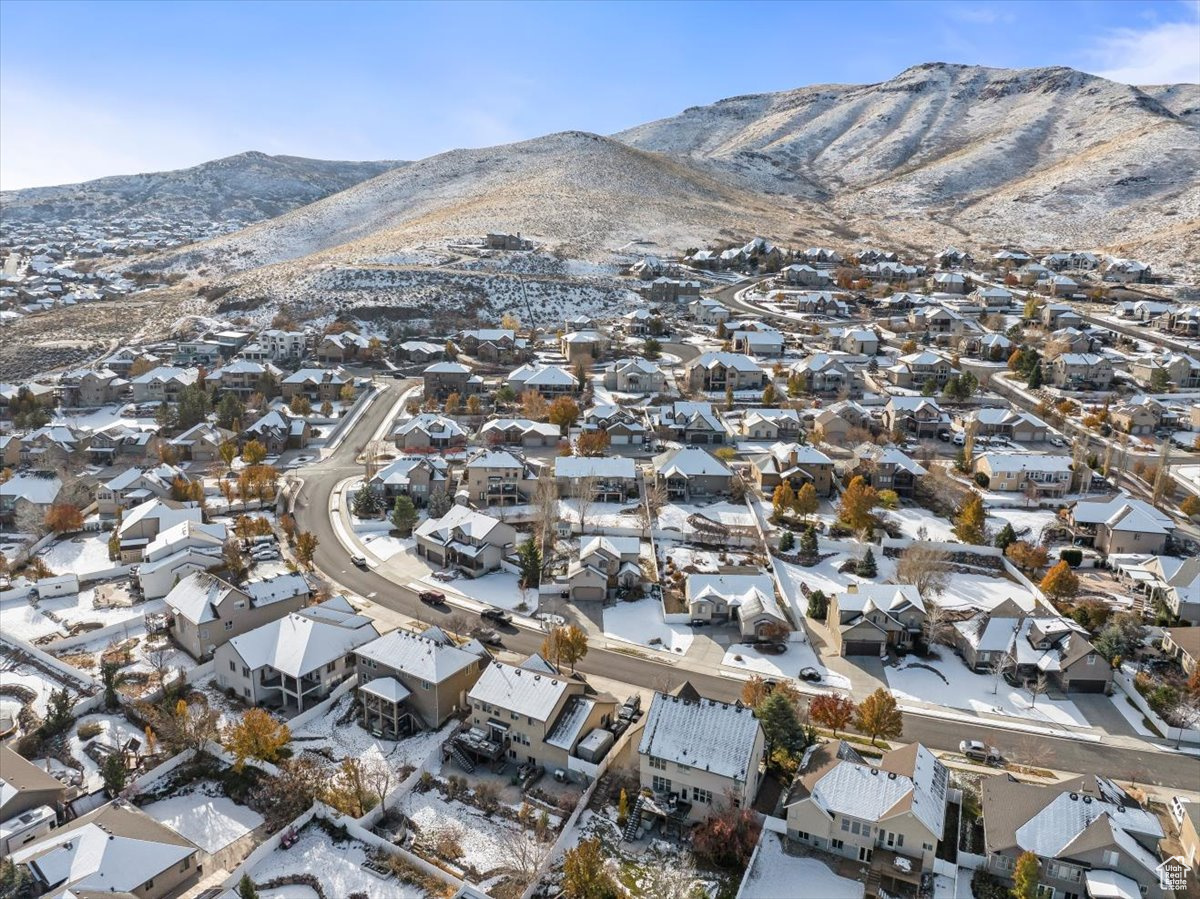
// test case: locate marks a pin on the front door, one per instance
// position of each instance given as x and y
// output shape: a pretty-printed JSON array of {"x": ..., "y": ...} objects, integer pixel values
[{"x": 864, "y": 853}]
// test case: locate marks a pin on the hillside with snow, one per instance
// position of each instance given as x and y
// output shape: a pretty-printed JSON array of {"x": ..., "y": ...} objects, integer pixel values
[{"x": 248, "y": 187}]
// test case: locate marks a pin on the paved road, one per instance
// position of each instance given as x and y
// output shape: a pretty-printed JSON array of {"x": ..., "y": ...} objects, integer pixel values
[{"x": 1163, "y": 768}]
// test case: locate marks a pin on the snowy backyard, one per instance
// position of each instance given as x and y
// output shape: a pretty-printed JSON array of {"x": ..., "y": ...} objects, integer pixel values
[
  {"x": 777, "y": 875},
  {"x": 983, "y": 591},
  {"x": 84, "y": 554},
  {"x": 206, "y": 816},
  {"x": 948, "y": 682},
  {"x": 331, "y": 740}
]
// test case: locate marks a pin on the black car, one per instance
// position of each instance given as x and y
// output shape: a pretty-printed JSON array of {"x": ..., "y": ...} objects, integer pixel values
[{"x": 497, "y": 616}]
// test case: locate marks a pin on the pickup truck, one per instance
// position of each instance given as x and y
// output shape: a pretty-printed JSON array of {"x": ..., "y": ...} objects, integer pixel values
[
  {"x": 496, "y": 616},
  {"x": 431, "y": 597}
]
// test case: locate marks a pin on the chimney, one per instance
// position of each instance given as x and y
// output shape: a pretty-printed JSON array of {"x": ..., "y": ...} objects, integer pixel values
[{"x": 852, "y": 588}]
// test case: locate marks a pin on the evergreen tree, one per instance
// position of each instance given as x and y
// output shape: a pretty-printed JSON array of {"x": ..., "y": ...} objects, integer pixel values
[
  {"x": 781, "y": 726},
  {"x": 439, "y": 503},
  {"x": 246, "y": 888},
  {"x": 365, "y": 503},
  {"x": 866, "y": 566},
  {"x": 1025, "y": 876},
  {"x": 529, "y": 558},
  {"x": 787, "y": 541},
  {"x": 404, "y": 514},
  {"x": 818, "y": 605},
  {"x": 1035, "y": 377},
  {"x": 1006, "y": 537},
  {"x": 114, "y": 773},
  {"x": 808, "y": 546}
]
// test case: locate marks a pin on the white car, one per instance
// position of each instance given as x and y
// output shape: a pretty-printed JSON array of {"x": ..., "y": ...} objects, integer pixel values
[
  {"x": 1057, "y": 441},
  {"x": 976, "y": 749}
]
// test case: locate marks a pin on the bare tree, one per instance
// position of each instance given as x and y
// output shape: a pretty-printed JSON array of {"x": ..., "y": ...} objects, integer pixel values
[
  {"x": 1000, "y": 666},
  {"x": 458, "y": 624},
  {"x": 545, "y": 509},
  {"x": 522, "y": 853},
  {"x": 584, "y": 493},
  {"x": 925, "y": 567},
  {"x": 656, "y": 498},
  {"x": 936, "y": 628},
  {"x": 158, "y": 657},
  {"x": 674, "y": 881},
  {"x": 1037, "y": 687}
]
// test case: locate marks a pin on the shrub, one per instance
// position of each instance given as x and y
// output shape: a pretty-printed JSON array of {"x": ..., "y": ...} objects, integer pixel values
[
  {"x": 89, "y": 730},
  {"x": 988, "y": 886},
  {"x": 487, "y": 797},
  {"x": 1073, "y": 557},
  {"x": 982, "y": 479}
]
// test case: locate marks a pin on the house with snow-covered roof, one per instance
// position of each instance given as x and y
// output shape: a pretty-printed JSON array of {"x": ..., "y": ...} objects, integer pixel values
[
  {"x": 295, "y": 661},
  {"x": 1035, "y": 474},
  {"x": 794, "y": 463},
  {"x": 116, "y": 850},
  {"x": 548, "y": 380},
  {"x": 868, "y": 619},
  {"x": 176, "y": 552},
  {"x": 623, "y": 426},
  {"x": 889, "y": 815},
  {"x": 427, "y": 431},
  {"x": 466, "y": 539},
  {"x": 409, "y": 681},
  {"x": 532, "y": 713},
  {"x": 1081, "y": 371},
  {"x": 495, "y": 477},
  {"x": 635, "y": 376},
  {"x": 523, "y": 432},
  {"x": 748, "y": 598},
  {"x": 689, "y": 472},
  {"x": 1090, "y": 836},
  {"x": 719, "y": 371},
  {"x": 887, "y": 468},
  {"x": 413, "y": 476},
  {"x": 610, "y": 479},
  {"x": 696, "y": 423},
  {"x": 134, "y": 486},
  {"x": 770, "y": 424},
  {"x": 696, "y": 755},
  {"x": 1122, "y": 524},
  {"x": 205, "y": 611},
  {"x": 35, "y": 492}
]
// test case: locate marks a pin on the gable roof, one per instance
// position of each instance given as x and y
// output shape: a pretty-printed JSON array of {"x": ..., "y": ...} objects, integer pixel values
[
  {"x": 530, "y": 692},
  {"x": 417, "y": 655},
  {"x": 715, "y": 736},
  {"x": 305, "y": 641}
]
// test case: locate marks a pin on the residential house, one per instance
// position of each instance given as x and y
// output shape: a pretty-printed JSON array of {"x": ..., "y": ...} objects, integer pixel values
[
  {"x": 548, "y": 380},
  {"x": 295, "y": 661},
  {"x": 805, "y": 275},
  {"x": 420, "y": 351},
  {"x": 1120, "y": 525},
  {"x": 53, "y": 446},
  {"x": 134, "y": 486},
  {"x": 30, "y": 801},
  {"x": 886, "y": 468},
  {"x": 1181, "y": 642},
  {"x": 87, "y": 388},
  {"x": 748, "y": 599},
  {"x": 889, "y": 815},
  {"x": 758, "y": 342},
  {"x": 1060, "y": 315},
  {"x": 694, "y": 423},
  {"x": 770, "y": 424},
  {"x": 914, "y": 370},
  {"x": 696, "y": 755},
  {"x": 870, "y": 619},
  {"x": 429, "y": 431},
  {"x": 338, "y": 349},
  {"x": 1091, "y": 838},
  {"x": 1071, "y": 261},
  {"x": 1165, "y": 371},
  {"x": 532, "y": 714},
  {"x": 917, "y": 416},
  {"x": 201, "y": 442},
  {"x": 831, "y": 427},
  {"x": 28, "y": 497},
  {"x": 243, "y": 377},
  {"x": 497, "y": 478},
  {"x": 826, "y": 375},
  {"x": 708, "y": 311},
  {"x": 116, "y": 850},
  {"x": 176, "y": 552},
  {"x": 992, "y": 421},
  {"x": 507, "y": 242},
  {"x": 605, "y": 564},
  {"x": 993, "y": 298},
  {"x": 689, "y": 473},
  {"x": 416, "y": 477},
  {"x": 162, "y": 384},
  {"x": 1081, "y": 371},
  {"x": 794, "y": 464},
  {"x": 1126, "y": 271},
  {"x": 1176, "y": 585},
  {"x": 948, "y": 282},
  {"x": 635, "y": 376},
  {"x": 281, "y": 346},
  {"x": 143, "y": 523},
  {"x": 718, "y": 371},
  {"x": 610, "y": 479},
  {"x": 205, "y": 611},
  {"x": 466, "y": 539},
  {"x": 519, "y": 432},
  {"x": 620, "y": 424},
  {"x": 579, "y": 346},
  {"x": 953, "y": 257},
  {"x": 317, "y": 384},
  {"x": 820, "y": 302},
  {"x": 493, "y": 345},
  {"x": 278, "y": 431},
  {"x": 409, "y": 681},
  {"x": 444, "y": 378},
  {"x": 670, "y": 290},
  {"x": 1005, "y": 638},
  {"x": 856, "y": 341},
  {"x": 1137, "y": 415},
  {"x": 1034, "y": 474},
  {"x": 1056, "y": 285}
]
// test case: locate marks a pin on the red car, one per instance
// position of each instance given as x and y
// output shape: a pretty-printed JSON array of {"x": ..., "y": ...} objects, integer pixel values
[{"x": 432, "y": 597}]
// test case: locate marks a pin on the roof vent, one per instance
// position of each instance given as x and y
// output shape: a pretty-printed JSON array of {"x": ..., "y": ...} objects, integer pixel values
[
  {"x": 1074, "y": 797},
  {"x": 891, "y": 775},
  {"x": 1087, "y": 799},
  {"x": 874, "y": 772}
]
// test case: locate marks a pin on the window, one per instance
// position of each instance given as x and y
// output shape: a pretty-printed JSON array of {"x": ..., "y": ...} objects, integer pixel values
[
  {"x": 928, "y": 847},
  {"x": 425, "y": 685},
  {"x": 232, "y": 666},
  {"x": 660, "y": 784},
  {"x": 203, "y": 633},
  {"x": 1091, "y": 660},
  {"x": 846, "y": 824},
  {"x": 1112, "y": 858},
  {"x": 658, "y": 763},
  {"x": 855, "y": 828},
  {"x": 187, "y": 863},
  {"x": 1045, "y": 892},
  {"x": 149, "y": 884},
  {"x": 246, "y": 691},
  {"x": 245, "y": 671},
  {"x": 900, "y": 841},
  {"x": 331, "y": 666},
  {"x": 803, "y": 835},
  {"x": 682, "y": 767},
  {"x": 836, "y": 844},
  {"x": 240, "y": 604},
  {"x": 699, "y": 795},
  {"x": 228, "y": 625}
]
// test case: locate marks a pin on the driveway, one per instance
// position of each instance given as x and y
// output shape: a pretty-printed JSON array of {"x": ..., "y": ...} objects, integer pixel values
[{"x": 1100, "y": 712}]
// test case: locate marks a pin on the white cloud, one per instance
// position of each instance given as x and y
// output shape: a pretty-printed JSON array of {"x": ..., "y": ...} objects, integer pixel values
[{"x": 1163, "y": 53}]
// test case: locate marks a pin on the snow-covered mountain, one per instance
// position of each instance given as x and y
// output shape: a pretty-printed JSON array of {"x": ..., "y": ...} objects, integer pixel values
[{"x": 248, "y": 187}]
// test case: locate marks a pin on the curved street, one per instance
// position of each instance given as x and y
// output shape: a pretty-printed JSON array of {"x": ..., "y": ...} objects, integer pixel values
[{"x": 1162, "y": 767}]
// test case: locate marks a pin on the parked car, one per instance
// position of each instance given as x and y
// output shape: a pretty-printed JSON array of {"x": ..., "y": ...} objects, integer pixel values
[
  {"x": 360, "y": 561},
  {"x": 496, "y": 616},
  {"x": 810, "y": 674},
  {"x": 548, "y": 621},
  {"x": 699, "y": 622},
  {"x": 487, "y": 636},
  {"x": 1057, "y": 441},
  {"x": 980, "y": 752},
  {"x": 943, "y": 435},
  {"x": 631, "y": 709},
  {"x": 432, "y": 597},
  {"x": 772, "y": 648},
  {"x": 959, "y": 439}
]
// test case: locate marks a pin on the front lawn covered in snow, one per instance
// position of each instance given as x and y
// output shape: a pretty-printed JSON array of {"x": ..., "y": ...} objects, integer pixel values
[
  {"x": 642, "y": 621},
  {"x": 744, "y": 657},
  {"x": 947, "y": 682},
  {"x": 778, "y": 875},
  {"x": 206, "y": 816},
  {"x": 499, "y": 589}
]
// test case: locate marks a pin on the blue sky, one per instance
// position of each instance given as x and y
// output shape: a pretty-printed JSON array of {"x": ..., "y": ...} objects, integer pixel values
[{"x": 93, "y": 89}]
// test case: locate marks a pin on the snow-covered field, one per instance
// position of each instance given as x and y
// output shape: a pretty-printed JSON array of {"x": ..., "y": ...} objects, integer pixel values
[
  {"x": 642, "y": 621},
  {"x": 673, "y": 516},
  {"x": 105, "y": 416},
  {"x": 34, "y": 679},
  {"x": 824, "y": 576},
  {"x": 485, "y": 841},
  {"x": 205, "y": 816},
  {"x": 53, "y": 616},
  {"x": 961, "y": 688},
  {"x": 799, "y": 655},
  {"x": 912, "y": 518},
  {"x": 982, "y": 591},
  {"x": 1028, "y": 523},
  {"x": 115, "y": 731},
  {"x": 384, "y": 545},
  {"x": 602, "y": 515},
  {"x": 339, "y": 868},
  {"x": 777, "y": 875}
]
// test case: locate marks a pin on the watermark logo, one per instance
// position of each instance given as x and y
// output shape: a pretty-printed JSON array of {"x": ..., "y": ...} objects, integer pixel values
[{"x": 1172, "y": 874}]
